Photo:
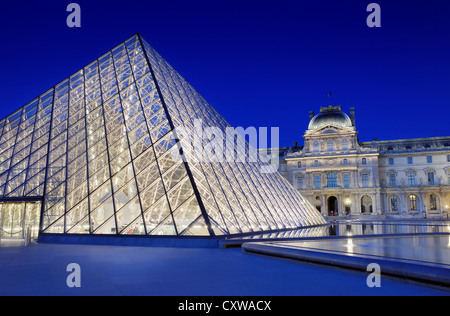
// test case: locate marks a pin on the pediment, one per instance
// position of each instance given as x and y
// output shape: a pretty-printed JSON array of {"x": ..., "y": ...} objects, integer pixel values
[{"x": 329, "y": 129}]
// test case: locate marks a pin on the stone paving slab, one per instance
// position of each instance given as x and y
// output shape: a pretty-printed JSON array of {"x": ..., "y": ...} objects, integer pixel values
[{"x": 40, "y": 269}]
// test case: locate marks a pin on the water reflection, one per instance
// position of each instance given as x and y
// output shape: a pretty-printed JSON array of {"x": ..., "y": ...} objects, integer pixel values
[{"x": 360, "y": 228}]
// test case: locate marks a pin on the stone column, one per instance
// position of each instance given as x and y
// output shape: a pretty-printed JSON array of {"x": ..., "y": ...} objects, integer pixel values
[{"x": 379, "y": 208}]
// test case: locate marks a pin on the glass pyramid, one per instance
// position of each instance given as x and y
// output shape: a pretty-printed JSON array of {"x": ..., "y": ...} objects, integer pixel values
[{"x": 97, "y": 151}]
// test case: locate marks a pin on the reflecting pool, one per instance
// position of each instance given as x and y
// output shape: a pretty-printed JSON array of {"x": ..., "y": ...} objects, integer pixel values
[{"x": 360, "y": 228}]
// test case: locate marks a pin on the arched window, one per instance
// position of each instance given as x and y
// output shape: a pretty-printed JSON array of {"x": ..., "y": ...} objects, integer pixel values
[
  {"x": 331, "y": 180},
  {"x": 344, "y": 144},
  {"x": 433, "y": 202},
  {"x": 330, "y": 146},
  {"x": 316, "y": 147},
  {"x": 366, "y": 204},
  {"x": 412, "y": 202},
  {"x": 394, "y": 203}
]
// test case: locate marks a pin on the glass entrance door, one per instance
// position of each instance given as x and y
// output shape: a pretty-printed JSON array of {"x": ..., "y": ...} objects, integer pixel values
[{"x": 17, "y": 218}]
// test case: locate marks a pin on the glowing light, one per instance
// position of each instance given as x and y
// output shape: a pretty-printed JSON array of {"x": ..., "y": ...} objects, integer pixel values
[{"x": 349, "y": 245}]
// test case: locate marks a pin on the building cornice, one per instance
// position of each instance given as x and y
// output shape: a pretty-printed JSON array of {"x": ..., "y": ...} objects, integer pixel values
[
  {"x": 415, "y": 152},
  {"x": 331, "y": 168},
  {"x": 410, "y": 140},
  {"x": 331, "y": 156}
]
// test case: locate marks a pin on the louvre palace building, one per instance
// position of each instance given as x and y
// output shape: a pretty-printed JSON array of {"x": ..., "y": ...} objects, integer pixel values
[{"x": 340, "y": 176}]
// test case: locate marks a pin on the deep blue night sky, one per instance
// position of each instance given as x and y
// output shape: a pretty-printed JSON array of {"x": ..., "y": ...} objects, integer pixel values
[{"x": 259, "y": 63}]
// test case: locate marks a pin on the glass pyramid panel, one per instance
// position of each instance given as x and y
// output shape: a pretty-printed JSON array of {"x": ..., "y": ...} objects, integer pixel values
[{"x": 100, "y": 150}]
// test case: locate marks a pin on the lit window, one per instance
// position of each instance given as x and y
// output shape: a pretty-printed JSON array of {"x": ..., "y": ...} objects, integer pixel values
[{"x": 413, "y": 203}]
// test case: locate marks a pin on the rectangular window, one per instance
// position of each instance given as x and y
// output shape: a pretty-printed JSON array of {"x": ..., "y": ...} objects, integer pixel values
[
  {"x": 316, "y": 147},
  {"x": 317, "y": 182},
  {"x": 392, "y": 179},
  {"x": 448, "y": 158},
  {"x": 300, "y": 183},
  {"x": 344, "y": 144},
  {"x": 430, "y": 178},
  {"x": 411, "y": 179},
  {"x": 331, "y": 180},
  {"x": 410, "y": 160},
  {"x": 330, "y": 146},
  {"x": 365, "y": 180},
  {"x": 364, "y": 161},
  {"x": 345, "y": 162},
  {"x": 429, "y": 159},
  {"x": 391, "y": 161},
  {"x": 346, "y": 181},
  {"x": 299, "y": 164}
]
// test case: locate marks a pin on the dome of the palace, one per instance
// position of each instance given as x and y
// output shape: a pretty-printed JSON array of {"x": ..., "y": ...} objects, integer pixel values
[{"x": 330, "y": 116}]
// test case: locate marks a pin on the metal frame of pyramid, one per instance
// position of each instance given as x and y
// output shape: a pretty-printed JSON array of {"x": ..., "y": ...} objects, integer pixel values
[{"x": 96, "y": 151}]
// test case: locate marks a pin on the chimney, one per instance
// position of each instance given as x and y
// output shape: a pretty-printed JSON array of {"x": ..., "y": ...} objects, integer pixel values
[
  {"x": 295, "y": 144},
  {"x": 352, "y": 116}
]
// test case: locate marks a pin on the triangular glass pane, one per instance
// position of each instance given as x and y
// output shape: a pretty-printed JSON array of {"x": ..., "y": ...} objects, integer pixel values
[
  {"x": 102, "y": 213},
  {"x": 75, "y": 215},
  {"x": 107, "y": 228},
  {"x": 166, "y": 228},
  {"x": 156, "y": 214},
  {"x": 198, "y": 228},
  {"x": 81, "y": 228},
  {"x": 128, "y": 214},
  {"x": 186, "y": 214}
]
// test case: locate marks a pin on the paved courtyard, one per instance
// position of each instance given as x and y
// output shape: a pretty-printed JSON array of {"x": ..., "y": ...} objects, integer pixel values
[{"x": 40, "y": 269}]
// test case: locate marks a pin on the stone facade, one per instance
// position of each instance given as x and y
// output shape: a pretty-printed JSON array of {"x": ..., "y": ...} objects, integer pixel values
[{"x": 339, "y": 175}]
